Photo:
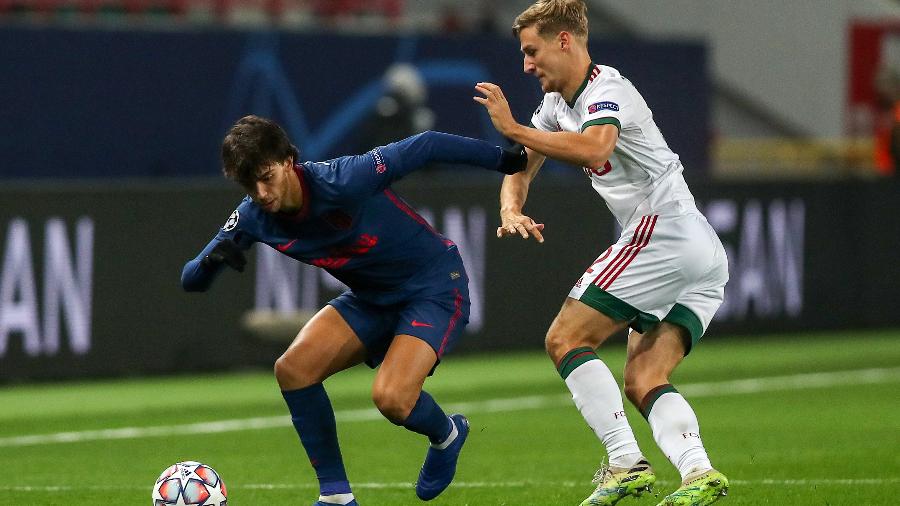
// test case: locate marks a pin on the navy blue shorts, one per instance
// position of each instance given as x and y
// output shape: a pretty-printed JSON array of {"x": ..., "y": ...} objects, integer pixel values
[{"x": 436, "y": 315}]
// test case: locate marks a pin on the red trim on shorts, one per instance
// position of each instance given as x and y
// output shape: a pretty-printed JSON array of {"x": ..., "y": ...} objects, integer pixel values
[
  {"x": 621, "y": 252},
  {"x": 599, "y": 259},
  {"x": 453, "y": 319},
  {"x": 633, "y": 253}
]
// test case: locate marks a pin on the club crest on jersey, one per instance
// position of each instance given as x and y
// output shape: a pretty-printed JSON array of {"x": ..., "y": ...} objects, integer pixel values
[
  {"x": 232, "y": 221},
  {"x": 380, "y": 167},
  {"x": 599, "y": 106}
]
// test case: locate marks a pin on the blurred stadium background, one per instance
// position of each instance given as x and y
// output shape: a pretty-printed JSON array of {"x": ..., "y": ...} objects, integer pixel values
[{"x": 111, "y": 115}]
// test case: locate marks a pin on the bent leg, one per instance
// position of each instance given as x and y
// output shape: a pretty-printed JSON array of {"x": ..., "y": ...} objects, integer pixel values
[
  {"x": 399, "y": 396},
  {"x": 578, "y": 325},
  {"x": 652, "y": 357},
  {"x": 324, "y": 346},
  {"x": 577, "y": 330},
  {"x": 397, "y": 390}
]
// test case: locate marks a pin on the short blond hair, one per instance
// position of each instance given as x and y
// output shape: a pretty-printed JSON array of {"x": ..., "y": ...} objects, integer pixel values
[{"x": 550, "y": 17}]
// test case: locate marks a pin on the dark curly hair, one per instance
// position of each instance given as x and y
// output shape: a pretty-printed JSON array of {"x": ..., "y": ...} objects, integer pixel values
[{"x": 254, "y": 143}]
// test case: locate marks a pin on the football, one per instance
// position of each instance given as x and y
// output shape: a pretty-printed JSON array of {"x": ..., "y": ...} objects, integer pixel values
[{"x": 189, "y": 484}]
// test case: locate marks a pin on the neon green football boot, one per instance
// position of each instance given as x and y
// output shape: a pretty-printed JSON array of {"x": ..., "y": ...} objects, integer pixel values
[
  {"x": 704, "y": 488},
  {"x": 615, "y": 484}
]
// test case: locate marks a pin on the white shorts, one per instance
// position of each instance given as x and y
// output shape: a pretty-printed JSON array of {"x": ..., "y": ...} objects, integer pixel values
[{"x": 663, "y": 268}]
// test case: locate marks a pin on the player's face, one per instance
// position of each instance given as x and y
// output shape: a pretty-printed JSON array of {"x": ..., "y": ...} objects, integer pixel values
[
  {"x": 541, "y": 58},
  {"x": 272, "y": 186}
]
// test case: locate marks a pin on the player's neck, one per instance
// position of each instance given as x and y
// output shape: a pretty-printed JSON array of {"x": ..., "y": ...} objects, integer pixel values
[
  {"x": 294, "y": 197},
  {"x": 576, "y": 77}
]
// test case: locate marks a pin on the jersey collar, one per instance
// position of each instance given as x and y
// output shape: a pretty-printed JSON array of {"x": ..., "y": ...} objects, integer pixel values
[
  {"x": 303, "y": 213},
  {"x": 592, "y": 72}
]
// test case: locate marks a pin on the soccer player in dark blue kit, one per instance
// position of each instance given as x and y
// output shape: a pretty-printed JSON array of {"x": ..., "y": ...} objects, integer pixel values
[{"x": 408, "y": 300}]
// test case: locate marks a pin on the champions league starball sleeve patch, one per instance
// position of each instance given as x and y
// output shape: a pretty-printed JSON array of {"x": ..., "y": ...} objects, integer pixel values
[
  {"x": 232, "y": 221},
  {"x": 600, "y": 106},
  {"x": 378, "y": 158}
]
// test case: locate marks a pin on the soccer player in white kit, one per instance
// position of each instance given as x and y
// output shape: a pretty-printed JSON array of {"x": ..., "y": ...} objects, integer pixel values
[{"x": 664, "y": 277}]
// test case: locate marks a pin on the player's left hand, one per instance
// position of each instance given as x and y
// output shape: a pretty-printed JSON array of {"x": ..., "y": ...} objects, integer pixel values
[
  {"x": 517, "y": 224},
  {"x": 497, "y": 107},
  {"x": 226, "y": 252}
]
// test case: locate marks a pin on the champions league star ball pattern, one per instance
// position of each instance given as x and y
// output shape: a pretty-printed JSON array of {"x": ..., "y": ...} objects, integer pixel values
[{"x": 189, "y": 484}]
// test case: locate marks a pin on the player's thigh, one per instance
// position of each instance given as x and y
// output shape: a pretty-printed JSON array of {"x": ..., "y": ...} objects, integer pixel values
[
  {"x": 398, "y": 382},
  {"x": 324, "y": 346},
  {"x": 408, "y": 361},
  {"x": 426, "y": 328},
  {"x": 579, "y": 325}
]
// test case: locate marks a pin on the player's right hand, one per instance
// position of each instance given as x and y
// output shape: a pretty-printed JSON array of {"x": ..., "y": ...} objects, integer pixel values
[
  {"x": 226, "y": 252},
  {"x": 520, "y": 225}
]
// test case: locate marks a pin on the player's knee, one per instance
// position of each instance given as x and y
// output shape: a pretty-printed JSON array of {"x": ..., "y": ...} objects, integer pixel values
[
  {"x": 555, "y": 340},
  {"x": 290, "y": 376},
  {"x": 393, "y": 403},
  {"x": 561, "y": 339},
  {"x": 284, "y": 373},
  {"x": 552, "y": 344}
]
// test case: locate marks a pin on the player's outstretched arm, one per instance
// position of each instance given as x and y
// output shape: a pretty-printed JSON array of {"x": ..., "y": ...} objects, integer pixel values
[
  {"x": 199, "y": 273},
  {"x": 438, "y": 147}
]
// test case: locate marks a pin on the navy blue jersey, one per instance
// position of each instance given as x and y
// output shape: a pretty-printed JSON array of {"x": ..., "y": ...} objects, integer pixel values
[{"x": 352, "y": 223}]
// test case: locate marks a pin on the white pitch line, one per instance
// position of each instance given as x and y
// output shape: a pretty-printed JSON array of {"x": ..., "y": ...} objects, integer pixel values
[
  {"x": 523, "y": 483},
  {"x": 463, "y": 484},
  {"x": 691, "y": 390}
]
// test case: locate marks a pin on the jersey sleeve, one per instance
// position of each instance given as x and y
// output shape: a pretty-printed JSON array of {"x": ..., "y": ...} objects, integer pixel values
[
  {"x": 353, "y": 177},
  {"x": 197, "y": 277},
  {"x": 543, "y": 119},
  {"x": 608, "y": 103}
]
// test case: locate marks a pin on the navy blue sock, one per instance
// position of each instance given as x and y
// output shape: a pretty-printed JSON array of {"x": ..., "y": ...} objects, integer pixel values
[
  {"x": 428, "y": 418},
  {"x": 313, "y": 418}
]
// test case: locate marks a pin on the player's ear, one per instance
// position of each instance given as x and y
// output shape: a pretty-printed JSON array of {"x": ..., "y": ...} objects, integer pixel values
[{"x": 564, "y": 39}]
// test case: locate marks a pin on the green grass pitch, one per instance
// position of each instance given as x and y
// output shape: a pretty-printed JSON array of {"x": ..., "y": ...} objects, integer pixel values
[{"x": 792, "y": 420}]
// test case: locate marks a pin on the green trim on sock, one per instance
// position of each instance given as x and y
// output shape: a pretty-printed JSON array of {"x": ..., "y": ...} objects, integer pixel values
[
  {"x": 652, "y": 396},
  {"x": 575, "y": 358},
  {"x": 570, "y": 354}
]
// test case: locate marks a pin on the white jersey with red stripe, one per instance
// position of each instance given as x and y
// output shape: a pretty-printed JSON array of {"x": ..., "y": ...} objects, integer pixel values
[
  {"x": 642, "y": 175},
  {"x": 668, "y": 264}
]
